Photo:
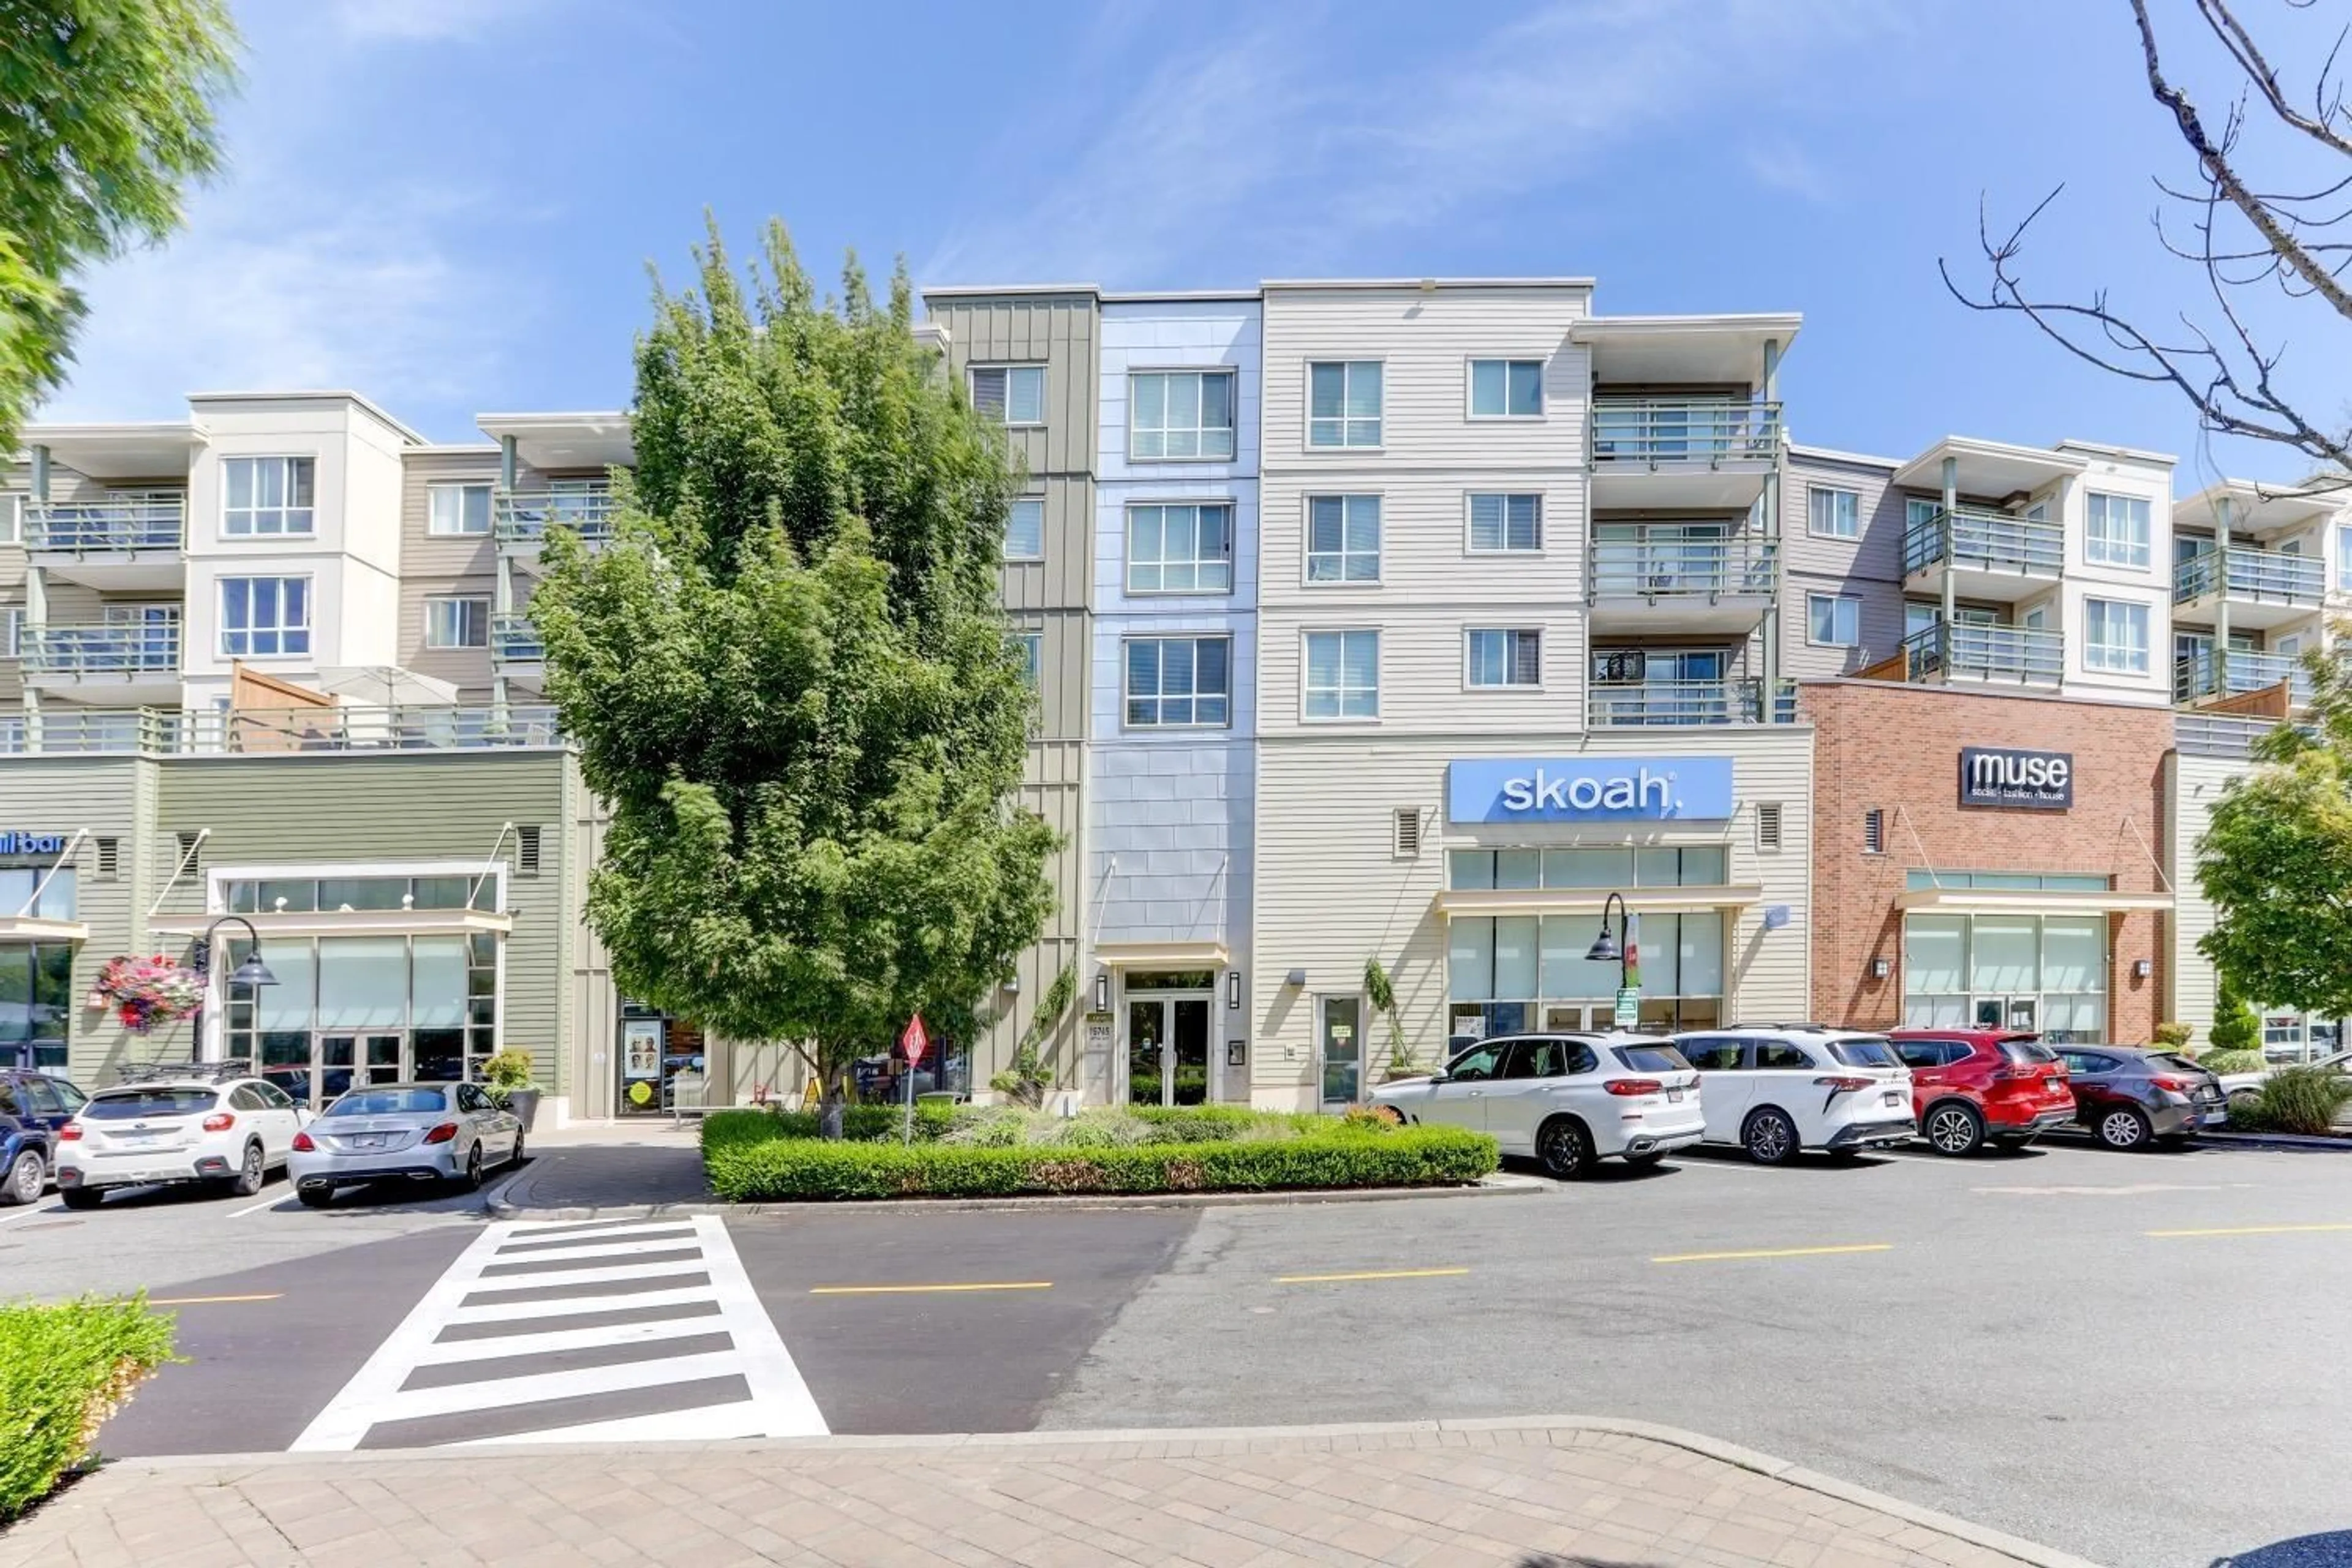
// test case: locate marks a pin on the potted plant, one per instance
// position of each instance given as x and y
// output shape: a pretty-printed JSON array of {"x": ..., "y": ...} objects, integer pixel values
[{"x": 508, "y": 1077}]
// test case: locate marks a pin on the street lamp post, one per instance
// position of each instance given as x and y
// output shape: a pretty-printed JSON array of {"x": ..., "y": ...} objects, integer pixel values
[
  {"x": 252, "y": 971},
  {"x": 1619, "y": 950}
]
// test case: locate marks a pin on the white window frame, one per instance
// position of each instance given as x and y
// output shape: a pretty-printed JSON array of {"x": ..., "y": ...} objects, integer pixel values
[
  {"x": 1470, "y": 681},
  {"x": 1307, "y": 540},
  {"x": 1812, "y": 517},
  {"x": 1018, "y": 502},
  {"x": 1470, "y": 390},
  {"x": 1200, "y": 373},
  {"x": 1470, "y": 545},
  {"x": 1197, "y": 561},
  {"x": 432, "y": 603},
  {"x": 1341, "y": 691},
  {"x": 12, "y": 519},
  {"x": 281, "y": 626},
  {"x": 1381, "y": 420},
  {"x": 285, "y": 508},
  {"x": 2102, "y": 658},
  {"x": 1127, "y": 694},
  {"x": 2101, "y": 544},
  {"x": 1033, "y": 655},
  {"x": 1847, "y": 606},
  {"x": 2344, "y": 556},
  {"x": 972, "y": 387},
  {"x": 457, "y": 488}
]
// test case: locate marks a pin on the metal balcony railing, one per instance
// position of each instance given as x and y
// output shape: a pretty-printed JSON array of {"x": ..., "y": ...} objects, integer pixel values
[
  {"x": 1970, "y": 537},
  {"x": 158, "y": 731},
  {"x": 1674, "y": 568},
  {"x": 2272, "y": 576},
  {"x": 1612, "y": 705},
  {"x": 2195, "y": 678},
  {"x": 523, "y": 517},
  {"x": 1680, "y": 432},
  {"x": 84, "y": 732},
  {"x": 112, "y": 526},
  {"x": 514, "y": 640},
  {"x": 2021, "y": 656},
  {"x": 142, "y": 649}
]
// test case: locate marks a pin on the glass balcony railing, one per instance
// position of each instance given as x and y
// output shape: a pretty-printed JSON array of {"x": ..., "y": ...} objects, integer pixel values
[
  {"x": 1681, "y": 432},
  {"x": 1615, "y": 704},
  {"x": 116, "y": 525},
  {"x": 265, "y": 731},
  {"x": 1676, "y": 568},
  {"x": 2194, "y": 679},
  {"x": 144, "y": 649},
  {"x": 514, "y": 640},
  {"x": 1973, "y": 539},
  {"x": 87, "y": 731},
  {"x": 2272, "y": 576},
  {"x": 523, "y": 517},
  {"x": 2018, "y": 655}
]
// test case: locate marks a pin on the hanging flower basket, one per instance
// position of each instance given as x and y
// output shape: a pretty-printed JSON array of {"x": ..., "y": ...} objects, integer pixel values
[{"x": 148, "y": 993}]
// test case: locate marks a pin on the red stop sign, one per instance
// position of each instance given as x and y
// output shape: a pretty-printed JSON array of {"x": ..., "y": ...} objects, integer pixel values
[{"x": 915, "y": 1041}]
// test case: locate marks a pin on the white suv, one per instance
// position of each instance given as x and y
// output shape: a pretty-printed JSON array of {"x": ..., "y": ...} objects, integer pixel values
[
  {"x": 1777, "y": 1088},
  {"x": 1570, "y": 1101},
  {"x": 228, "y": 1132}
]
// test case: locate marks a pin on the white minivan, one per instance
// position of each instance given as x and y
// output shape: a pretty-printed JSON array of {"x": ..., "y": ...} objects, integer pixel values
[
  {"x": 1570, "y": 1101},
  {"x": 1779, "y": 1089}
]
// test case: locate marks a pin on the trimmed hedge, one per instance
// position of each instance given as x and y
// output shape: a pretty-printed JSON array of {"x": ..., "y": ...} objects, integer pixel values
[{"x": 64, "y": 1369}]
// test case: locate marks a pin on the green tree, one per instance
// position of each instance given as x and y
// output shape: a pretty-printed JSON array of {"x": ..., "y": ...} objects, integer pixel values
[
  {"x": 789, "y": 678},
  {"x": 2276, "y": 861},
  {"x": 2235, "y": 1027},
  {"x": 106, "y": 111}
]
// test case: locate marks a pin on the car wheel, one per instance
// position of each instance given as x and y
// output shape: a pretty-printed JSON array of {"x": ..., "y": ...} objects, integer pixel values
[
  {"x": 249, "y": 1175},
  {"x": 1564, "y": 1148},
  {"x": 516, "y": 1156},
  {"x": 315, "y": 1198},
  {"x": 25, "y": 1179},
  {"x": 1770, "y": 1137},
  {"x": 471, "y": 1182},
  {"x": 1954, "y": 1128},
  {"x": 81, "y": 1197},
  {"x": 2122, "y": 1126}
]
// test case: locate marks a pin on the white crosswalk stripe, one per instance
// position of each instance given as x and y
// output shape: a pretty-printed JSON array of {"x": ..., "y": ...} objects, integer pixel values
[{"x": 416, "y": 1375}]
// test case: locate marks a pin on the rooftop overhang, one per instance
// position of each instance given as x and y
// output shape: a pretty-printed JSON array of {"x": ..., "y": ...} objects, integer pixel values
[
  {"x": 1669, "y": 350},
  {"x": 2258, "y": 509},
  {"x": 343, "y": 922},
  {"x": 1461, "y": 901},
  {"x": 31, "y": 928},
  {"x": 1209, "y": 954},
  {"x": 1988, "y": 467},
  {"x": 2027, "y": 901},
  {"x": 552, "y": 442},
  {"x": 151, "y": 451}
]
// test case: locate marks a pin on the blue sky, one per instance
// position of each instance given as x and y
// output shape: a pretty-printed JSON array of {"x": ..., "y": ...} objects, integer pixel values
[{"x": 450, "y": 205}]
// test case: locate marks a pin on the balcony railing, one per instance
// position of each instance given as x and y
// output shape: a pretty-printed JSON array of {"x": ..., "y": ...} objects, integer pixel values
[
  {"x": 144, "y": 649},
  {"x": 1676, "y": 568},
  {"x": 523, "y": 517},
  {"x": 2018, "y": 655},
  {"x": 156, "y": 732},
  {"x": 1612, "y": 705},
  {"x": 1680, "y": 432},
  {"x": 514, "y": 640},
  {"x": 1985, "y": 541},
  {"x": 107, "y": 527},
  {"x": 2194, "y": 679},
  {"x": 2272, "y": 575},
  {"x": 85, "y": 731}
]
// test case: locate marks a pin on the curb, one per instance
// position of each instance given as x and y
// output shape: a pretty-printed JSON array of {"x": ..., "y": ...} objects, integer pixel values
[
  {"x": 1783, "y": 1470},
  {"x": 2298, "y": 1142},
  {"x": 1495, "y": 1187}
]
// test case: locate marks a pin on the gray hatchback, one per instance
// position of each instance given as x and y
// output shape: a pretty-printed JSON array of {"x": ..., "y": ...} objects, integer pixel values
[
  {"x": 441, "y": 1132},
  {"x": 2130, "y": 1096}
]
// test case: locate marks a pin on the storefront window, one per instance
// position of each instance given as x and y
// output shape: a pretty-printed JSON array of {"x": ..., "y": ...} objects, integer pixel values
[
  {"x": 1508, "y": 973},
  {"x": 390, "y": 1007},
  {"x": 2013, "y": 971},
  {"x": 1668, "y": 865},
  {"x": 301, "y": 895},
  {"x": 58, "y": 893},
  {"x": 36, "y": 1002}
]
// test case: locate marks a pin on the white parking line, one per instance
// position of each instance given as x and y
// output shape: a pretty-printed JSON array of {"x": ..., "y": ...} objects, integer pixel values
[
  {"x": 280, "y": 1201},
  {"x": 28, "y": 1211}
]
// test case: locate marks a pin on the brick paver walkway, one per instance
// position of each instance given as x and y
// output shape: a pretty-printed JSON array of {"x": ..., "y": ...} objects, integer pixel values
[{"x": 1492, "y": 1494}]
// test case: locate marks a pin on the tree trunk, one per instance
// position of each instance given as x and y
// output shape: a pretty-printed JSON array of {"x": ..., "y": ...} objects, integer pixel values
[{"x": 831, "y": 1106}]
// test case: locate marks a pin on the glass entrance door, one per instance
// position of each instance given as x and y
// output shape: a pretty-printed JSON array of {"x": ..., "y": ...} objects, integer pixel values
[
  {"x": 1168, "y": 1050},
  {"x": 1339, "y": 1043},
  {"x": 343, "y": 1062},
  {"x": 2007, "y": 1013}
]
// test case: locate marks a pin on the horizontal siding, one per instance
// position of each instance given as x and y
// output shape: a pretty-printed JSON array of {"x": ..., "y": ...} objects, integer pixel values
[
  {"x": 468, "y": 669},
  {"x": 1869, "y": 568}
]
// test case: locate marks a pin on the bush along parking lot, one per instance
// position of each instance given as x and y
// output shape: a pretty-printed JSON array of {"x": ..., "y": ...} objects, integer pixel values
[
  {"x": 64, "y": 1369},
  {"x": 1003, "y": 1152},
  {"x": 2307, "y": 1100}
]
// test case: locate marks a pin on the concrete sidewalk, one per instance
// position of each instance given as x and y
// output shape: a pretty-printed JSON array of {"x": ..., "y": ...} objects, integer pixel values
[
  {"x": 598, "y": 1167},
  {"x": 1538, "y": 1493}
]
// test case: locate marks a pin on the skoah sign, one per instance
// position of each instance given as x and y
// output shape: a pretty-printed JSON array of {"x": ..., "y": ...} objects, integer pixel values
[
  {"x": 2016, "y": 779},
  {"x": 1589, "y": 789}
]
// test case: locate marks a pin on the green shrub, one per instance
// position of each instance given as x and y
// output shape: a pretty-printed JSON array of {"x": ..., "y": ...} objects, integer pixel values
[
  {"x": 2232, "y": 1061},
  {"x": 2235, "y": 1026},
  {"x": 2302, "y": 1100},
  {"x": 64, "y": 1369},
  {"x": 2173, "y": 1036}
]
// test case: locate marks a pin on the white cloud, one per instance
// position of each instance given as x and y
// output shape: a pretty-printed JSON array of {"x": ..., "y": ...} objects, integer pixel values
[
  {"x": 430, "y": 21},
  {"x": 1782, "y": 166}
]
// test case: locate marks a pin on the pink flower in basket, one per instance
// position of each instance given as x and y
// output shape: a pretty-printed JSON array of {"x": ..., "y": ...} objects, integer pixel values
[{"x": 147, "y": 992}]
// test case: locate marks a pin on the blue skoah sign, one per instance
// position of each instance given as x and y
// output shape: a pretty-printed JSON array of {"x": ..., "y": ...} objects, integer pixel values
[{"x": 1589, "y": 789}]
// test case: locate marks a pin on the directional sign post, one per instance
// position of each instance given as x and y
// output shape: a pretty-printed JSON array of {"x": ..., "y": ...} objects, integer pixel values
[{"x": 912, "y": 1043}]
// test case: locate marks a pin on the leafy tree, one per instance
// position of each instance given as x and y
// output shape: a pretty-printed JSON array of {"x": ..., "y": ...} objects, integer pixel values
[
  {"x": 106, "y": 111},
  {"x": 789, "y": 678},
  {"x": 2235, "y": 1026}
]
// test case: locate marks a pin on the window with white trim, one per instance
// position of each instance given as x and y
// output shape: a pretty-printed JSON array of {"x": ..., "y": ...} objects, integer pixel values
[
  {"x": 264, "y": 617},
  {"x": 1343, "y": 675},
  {"x": 264, "y": 496},
  {"x": 2115, "y": 636},
  {"x": 1505, "y": 656},
  {"x": 2343, "y": 557},
  {"x": 2115, "y": 530},
  {"x": 12, "y": 631},
  {"x": 1343, "y": 402},
  {"x": 1180, "y": 414},
  {"x": 1833, "y": 620},
  {"x": 1032, "y": 646},
  {"x": 1832, "y": 513},
  {"x": 1506, "y": 524},
  {"x": 458, "y": 621},
  {"x": 1186, "y": 549},
  {"x": 456, "y": 511},
  {"x": 12, "y": 519},
  {"x": 1506, "y": 389},
  {"x": 1010, "y": 393},
  {"x": 1178, "y": 682},
  {"x": 1343, "y": 539},
  {"x": 1024, "y": 530}
]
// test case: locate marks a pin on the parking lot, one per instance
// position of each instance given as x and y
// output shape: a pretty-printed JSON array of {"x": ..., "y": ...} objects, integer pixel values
[{"x": 2135, "y": 1357}]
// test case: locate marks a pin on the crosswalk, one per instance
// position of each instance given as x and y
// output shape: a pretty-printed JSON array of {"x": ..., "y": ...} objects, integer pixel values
[{"x": 546, "y": 1331}]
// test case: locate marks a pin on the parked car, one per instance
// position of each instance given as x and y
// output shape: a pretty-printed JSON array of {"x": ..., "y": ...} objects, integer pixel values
[
  {"x": 2130, "y": 1097},
  {"x": 34, "y": 1108},
  {"x": 2248, "y": 1086},
  {"x": 1568, "y": 1100},
  {"x": 1972, "y": 1084},
  {"x": 441, "y": 1132},
  {"x": 228, "y": 1132},
  {"x": 1778, "y": 1090}
]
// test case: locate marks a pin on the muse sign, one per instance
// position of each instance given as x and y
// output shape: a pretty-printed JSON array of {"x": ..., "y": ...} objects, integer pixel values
[
  {"x": 1589, "y": 789},
  {"x": 2017, "y": 781}
]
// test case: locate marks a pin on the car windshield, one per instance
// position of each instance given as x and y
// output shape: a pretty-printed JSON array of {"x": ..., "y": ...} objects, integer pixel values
[
  {"x": 131, "y": 1103},
  {"x": 2163, "y": 1061},
  {"x": 1652, "y": 1059},
  {"x": 1865, "y": 1051},
  {"x": 2029, "y": 1052},
  {"x": 391, "y": 1102}
]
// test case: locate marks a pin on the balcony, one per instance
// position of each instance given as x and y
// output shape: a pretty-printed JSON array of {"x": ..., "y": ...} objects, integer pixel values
[
  {"x": 2195, "y": 681},
  {"x": 2265, "y": 588},
  {"x": 520, "y": 519},
  {"x": 1631, "y": 704},
  {"x": 1992, "y": 554},
  {"x": 156, "y": 732},
  {"x": 517, "y": 651},
  {"x": 1992, "y": 656},
  {"x": 1702, "y": 453},
  {"x": 130, "y": 543},
  {"x": 129, "y": 665},
  {"x": 1674, "y": 584}
]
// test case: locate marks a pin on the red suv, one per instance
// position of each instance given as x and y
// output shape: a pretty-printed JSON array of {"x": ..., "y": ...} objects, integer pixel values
[{"x": 1968, "y": 1085}]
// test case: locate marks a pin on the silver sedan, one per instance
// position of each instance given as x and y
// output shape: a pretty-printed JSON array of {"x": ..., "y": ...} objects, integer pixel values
[{"x": 438, "y": 1132}]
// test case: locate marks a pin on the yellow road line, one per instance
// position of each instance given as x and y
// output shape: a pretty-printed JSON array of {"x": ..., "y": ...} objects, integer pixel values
[
  {"x": 208, "y": 1300},
  {"x": 1773, "y": 1252},
  {"x": 2254, "y": 1230},
  {"x": 1375, "y": 1274},
  {"x": 927, "y": 1289}
]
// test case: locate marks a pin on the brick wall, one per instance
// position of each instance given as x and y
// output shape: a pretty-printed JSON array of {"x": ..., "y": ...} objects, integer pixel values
[{"x": 1896, "y": 749}]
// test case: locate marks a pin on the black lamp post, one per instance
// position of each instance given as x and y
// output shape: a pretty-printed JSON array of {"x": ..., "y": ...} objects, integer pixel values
[
  {"x": 1607, "y": 949},
  {"x": 252, "y": 971}
]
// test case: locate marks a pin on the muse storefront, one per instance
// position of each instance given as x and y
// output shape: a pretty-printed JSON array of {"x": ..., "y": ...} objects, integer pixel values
[{"x": 1475, "y": 874}]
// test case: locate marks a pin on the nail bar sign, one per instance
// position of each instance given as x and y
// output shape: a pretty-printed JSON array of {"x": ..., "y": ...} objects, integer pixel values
[{"x": 2013, "y": 780}]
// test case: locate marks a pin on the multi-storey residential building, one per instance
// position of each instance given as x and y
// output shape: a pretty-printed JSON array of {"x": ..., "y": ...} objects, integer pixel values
[{"x": 2257, "y": 576}]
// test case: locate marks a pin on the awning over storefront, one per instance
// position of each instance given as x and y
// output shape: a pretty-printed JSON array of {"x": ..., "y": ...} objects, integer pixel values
[
  {"x": 1209, "y": 954},
  {"x": 2028, "y": 901},
  {"x": 340, "y": 923},
  {"x": 29, "y": 927},
  {"x": 1589, "y": 901}
]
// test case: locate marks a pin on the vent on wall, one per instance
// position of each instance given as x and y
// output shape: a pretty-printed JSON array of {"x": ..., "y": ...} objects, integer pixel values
[
  {"x": 526, "y": 851},
  {"x": 1873, "y": 832},
  {"x": 109, "y": 858},
  {"x": 1405, "y": 841},
  {"x": 191, "y": 860},
  {"x": 1768, "y": 824}
]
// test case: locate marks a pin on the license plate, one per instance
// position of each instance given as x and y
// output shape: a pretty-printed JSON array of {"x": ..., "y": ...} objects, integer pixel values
[
  {"x": 1893, "y": 1096},
  {"x": 1674, "y": 1096},
  {"x": 137, "y": 1137},
  {"x": 368, "y": 1140}
]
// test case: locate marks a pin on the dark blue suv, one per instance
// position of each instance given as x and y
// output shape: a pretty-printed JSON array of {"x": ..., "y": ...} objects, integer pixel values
[{"x": 33, "y": 1106}]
